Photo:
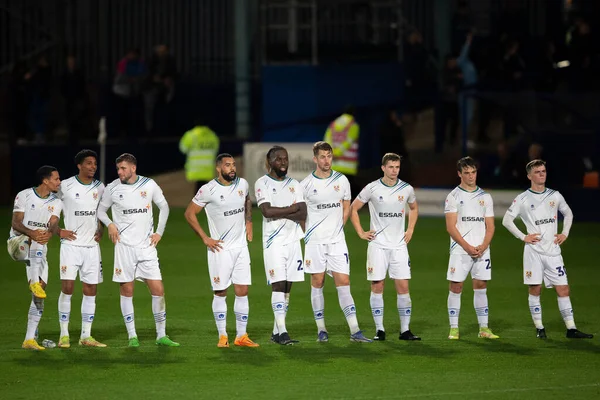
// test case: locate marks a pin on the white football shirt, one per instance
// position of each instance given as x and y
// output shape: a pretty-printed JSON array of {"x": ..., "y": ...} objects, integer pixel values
[
  {"x": 472, "y": 208},
  {"x": 37, "y": 210},
  {"x": 324, "y": 201},
  {"x": 131, "y": 206},
  {"x": 539, "y": 212},
  {"x": 280, "y": 194},
  {"x": 225, "y": 211},
  {"x": 388, "y": 207},
  {"x": 80, "y": 204}
]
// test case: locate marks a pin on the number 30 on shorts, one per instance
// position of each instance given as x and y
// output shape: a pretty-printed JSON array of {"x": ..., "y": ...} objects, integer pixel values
[{"x": 562, "y": 271}]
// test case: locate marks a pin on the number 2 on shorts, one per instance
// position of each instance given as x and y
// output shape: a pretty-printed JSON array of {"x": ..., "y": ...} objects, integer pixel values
[{"x": 300, "y": 265}]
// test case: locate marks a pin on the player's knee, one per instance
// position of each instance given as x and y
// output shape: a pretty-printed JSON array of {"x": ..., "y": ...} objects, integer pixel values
[
  {"x": 241, "y": 290},
  {"x": 278, "y": 286},
  {"x": 479, "y": 284},
  {"x": 562, "y": 290},
  {"x": 317, "y": 281},
  {"x": 221, "y": 293},
  {"x": 377, "y": 287},
  {"x": 67, "y": 287},
  {"x": 457, "y": 287},
  {"x": 535, "y": 290}
]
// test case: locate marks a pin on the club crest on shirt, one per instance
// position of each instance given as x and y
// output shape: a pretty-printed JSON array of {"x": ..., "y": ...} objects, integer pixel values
[
  {"x": 481, "y": 203},
  {"x": 148, "y": 206},
  {"x": 336, "y": 188},
  {"x": 216, "y": 280},
  {"x": 95, "y": 195},
  {"x": 241, "y": 193},
  {"x": 552, "y": 204},
  {"x": 118, "y": 271},
  {"x": 292, "y": 189},
  {"x": 143, "y": 194},
  {"x": 272, "y": 273},
  {"x": 63, "y": 269},
  {"x": 51, "y": 209},
  {"x": 400, "y": 198},
  {"x": 528, "y": 274}
]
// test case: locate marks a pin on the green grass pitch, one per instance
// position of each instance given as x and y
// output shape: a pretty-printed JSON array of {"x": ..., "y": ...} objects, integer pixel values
[{"x": 516, "y": 366}]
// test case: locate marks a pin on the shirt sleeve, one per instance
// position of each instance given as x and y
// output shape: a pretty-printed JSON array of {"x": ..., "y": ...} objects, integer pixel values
[
  {"x": 489, "y": 207},
  {"x": 57, "y": 209},
  {"x": 157, "y": 194},
  {"x": 202, "y": 197},
  {"x": 365, "y": 194},
  {"x": 450, "y": 206},
  {"x": 299, "y": 194},
  {"x": 19, "y": 203},
  {"x": 101, "y": 189},
  {"x": 261, "y": 193},
  {"x": 347, "y": 192},
  {"x": 412, "y": 197},
  {"x": 514, "y": 209},
  {"x": 565, "y": 210},
  {"x": 106, "y": 199}
]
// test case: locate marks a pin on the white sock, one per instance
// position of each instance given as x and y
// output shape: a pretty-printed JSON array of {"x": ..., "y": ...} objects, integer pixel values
[
  {"x": 318, "y": 306},
  {"x": 219, "y": 307},
  {"x": 64, "y": 313},
  {"x": 535, "y": 308},
  {"x": 348, "y": 307},
  {"x": 159, "y": 309},
  {"x": 128, "y": 317},
  {"x": 377, "y": 310},
  {"x": 453, "y": 308},
  {"x": 88, "y": 309},
  {"x": 566, "y": 311},
  {"x": 480, "y": 302},
  {"x": 404, "y": 311},
  {"x": 278, "y": 304},
  {"x": 36, "y": 309},
  {"x": 33, "y": 273},
  {"x": 241, "y": 309}
]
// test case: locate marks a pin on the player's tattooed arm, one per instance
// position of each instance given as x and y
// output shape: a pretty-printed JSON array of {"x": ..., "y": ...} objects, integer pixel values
[
  {"x": 269, "y": 211},
  {"x": 17, "y": 225},
  {"x": 248, "y": 214},
  {"x": 57, "y": 231},
  {"x": 248, "y": 209}
]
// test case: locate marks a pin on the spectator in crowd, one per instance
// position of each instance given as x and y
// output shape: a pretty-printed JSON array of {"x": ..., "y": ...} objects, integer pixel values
[
  {"x": 447, "y": 112},
  {"x": 160, "y": 87},
  {"x": 581, "y": 49},
  {"x": 392, "y": 140},
  {"x": 462, "y": 24},
  {"x": 127, "y": 87},
  {"x": 39, "y": 86},
  {"x": 73, "y": 90}
]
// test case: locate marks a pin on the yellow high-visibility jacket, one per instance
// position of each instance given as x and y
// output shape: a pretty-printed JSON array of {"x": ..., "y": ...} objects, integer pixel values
[
  {"x": 201, "y": 145},
  {"x": 342, "y": 134}
]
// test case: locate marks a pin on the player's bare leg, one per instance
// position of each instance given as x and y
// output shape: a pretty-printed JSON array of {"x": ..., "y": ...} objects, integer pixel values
[
  {"x": 566, "y": 311},
  {"x": 377, "y": 308},
  {"x": 454, "y": 296},
  {"x": 159, "y": 309},
  {"x": 317, "y": 281},
  {"x": 241, "y": 309},
  {"x": 404, "y": 304},
  {"x": 480, "y": 302}
]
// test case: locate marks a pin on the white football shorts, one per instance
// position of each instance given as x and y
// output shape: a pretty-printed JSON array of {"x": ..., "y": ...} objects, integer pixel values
[
  {"x": 139, "y": 263},
  {"x": 86, "y": 261},
  {"x": 381, "y": 262},
  {"x": 284, "y": 263},
  {"x": 229, "y": 266},
  {"x": 460, "y": 265},
  {"x": 538, "y": 267},
  {"x": 319, "y": 258}
]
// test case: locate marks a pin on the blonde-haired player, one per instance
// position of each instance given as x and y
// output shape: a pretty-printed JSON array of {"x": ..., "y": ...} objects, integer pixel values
[{"x": 538, "y": 208}]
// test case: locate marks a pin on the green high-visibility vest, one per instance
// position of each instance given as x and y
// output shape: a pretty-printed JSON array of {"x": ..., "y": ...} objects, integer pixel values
[{"x": 201, "y": 146}]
